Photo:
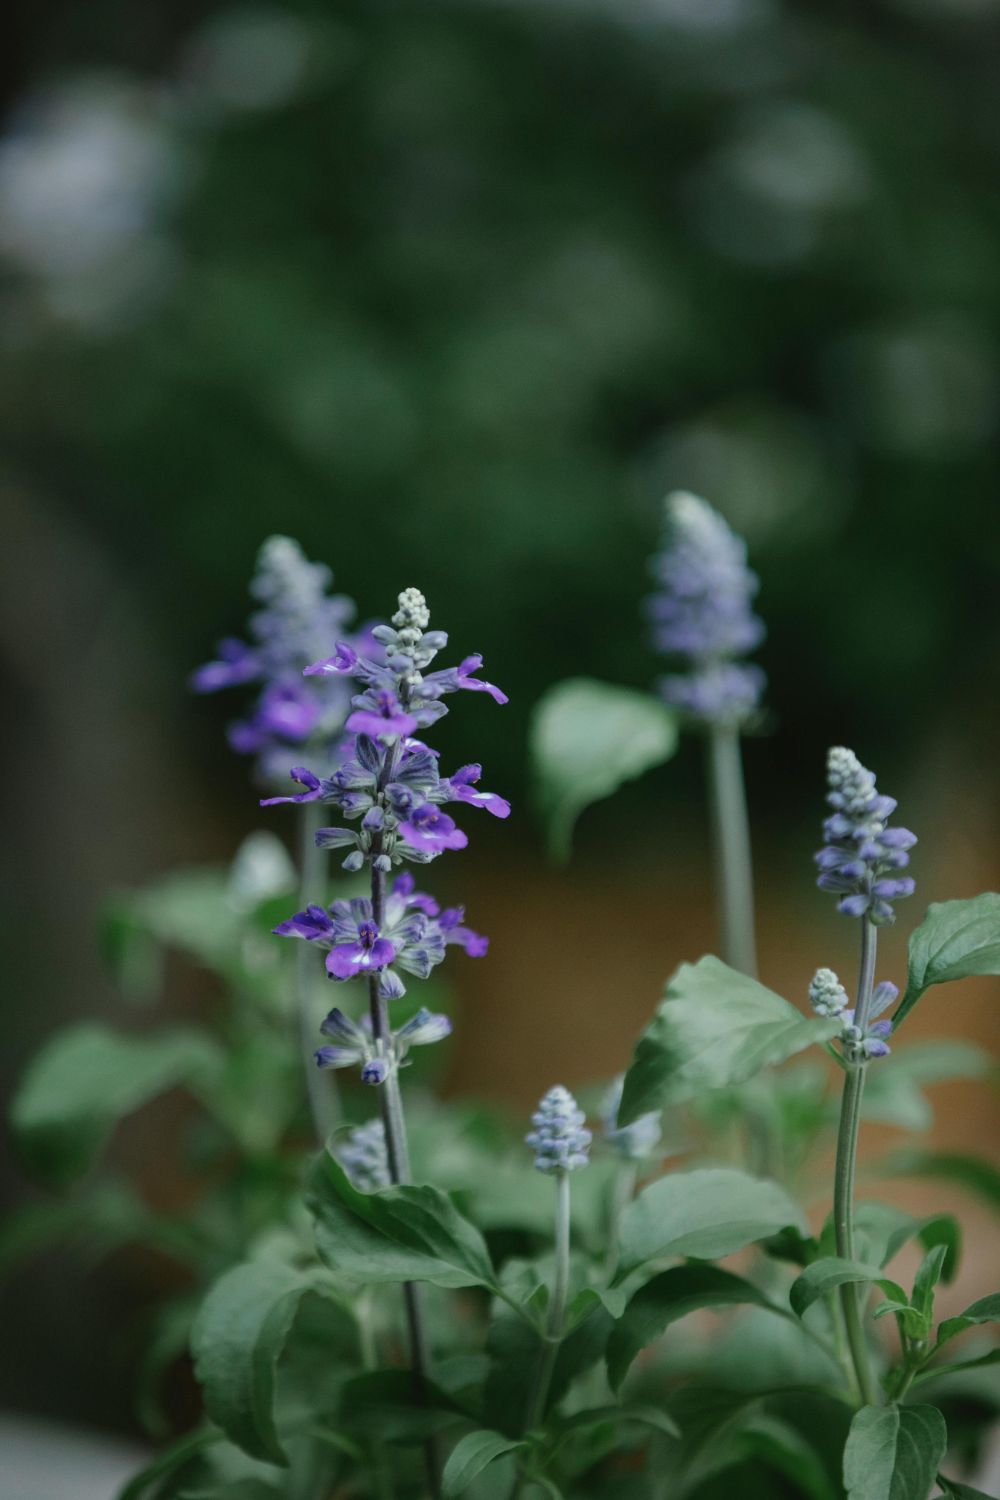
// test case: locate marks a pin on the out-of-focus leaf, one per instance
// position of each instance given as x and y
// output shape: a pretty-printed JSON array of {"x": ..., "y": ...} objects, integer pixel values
[
  {"x": 715, "y": 1027},
  {"x": 976, "y": 1175},
  {"x": 398, "y": 1234},
  {"x": 586, "y": 739},
  {"x": 383, "y": 1405},
  {"x": 826, "y": 1275},
  {"x": 470, "y": 1456},
  {"x": 893, "y": 1452},
  {"x": 707, "y": 1213},
  {"x": 671, "y": 1296},
  {"x": 237, "y": 1340},
  {"x": 894, "y": 1095},
  {"x": 955, "y": 940},
  {"x": 87, "y": 1078}
]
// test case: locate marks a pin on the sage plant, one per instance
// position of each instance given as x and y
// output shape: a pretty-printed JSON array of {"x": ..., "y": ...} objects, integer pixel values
[
  {"x": 702, "y": 617},
  {"x": 391, "y": 795},
  {"x": 289, "y": 716},
  {"x": 860, "y": 863}
]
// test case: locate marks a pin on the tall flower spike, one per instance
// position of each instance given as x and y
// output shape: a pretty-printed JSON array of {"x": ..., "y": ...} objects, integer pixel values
[
  {"x": 559, "y": 1140},
  {"x": 863, "y": 856},
  {"x": 362, "y": 1154},
  {"x": 703, "y": 615},
  {"x": 296, "y": 621}
]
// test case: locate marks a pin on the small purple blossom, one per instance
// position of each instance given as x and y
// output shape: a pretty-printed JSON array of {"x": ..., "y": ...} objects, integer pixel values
[
  {"x": 861, "y": 860},
  {"x": 430, "y": 830},
  {"x": 452, "y": 923},
  {"x": 297, "y": 616},
  {"x": 461, "y": 786},
  {"x": 703, "y": 615},
  {"x": 365, "y": 954},
  {"x": 379, "y": 713},
  {"x": 871, "y": 1042}
]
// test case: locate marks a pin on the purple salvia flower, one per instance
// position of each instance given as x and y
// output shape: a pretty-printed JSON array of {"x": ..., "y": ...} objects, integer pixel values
[
  {"x": 364, "y": 954},
  {"x": 429, "y": 830},
  {"x": 362, "y": 1154},
  {"x": 703, "y": 615},
  {"x": 559, "y": 1140},
  {"x": 452, "y": 923},
  {"x": 461, "y": 787},
  {"x": 861, "y": 860},
  {"x": 871, "y": 1042},
  {"x": 297, "y": 617}
]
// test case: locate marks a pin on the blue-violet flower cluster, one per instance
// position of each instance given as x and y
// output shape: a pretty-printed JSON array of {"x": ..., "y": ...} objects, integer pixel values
[
  {"x": 829, "y": 999},
  {"x": 363, "y": 1155},
  {"x": 703, "y": 615},
  {"x": 560, "y": 1140},
  {"x": 862, "y": 858},
  {"x": 353, "y": 1043},
  {"x": 297, "y": 618}
]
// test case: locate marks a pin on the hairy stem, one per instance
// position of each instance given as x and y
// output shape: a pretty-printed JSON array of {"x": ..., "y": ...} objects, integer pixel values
[
  {"x": 557, "y": 1306},
  {"x": 731, "y": 838},
  {"x": 398, "y": 1153},
  {"x": 320, "y": 1085},
  {"x": 844, "y": 1175}
]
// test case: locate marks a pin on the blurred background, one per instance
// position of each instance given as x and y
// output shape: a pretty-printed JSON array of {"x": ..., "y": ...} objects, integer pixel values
[{"x": 452, "y": 293}]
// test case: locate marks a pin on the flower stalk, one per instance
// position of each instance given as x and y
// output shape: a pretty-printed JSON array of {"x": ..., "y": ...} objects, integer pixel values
[
  {"x": 731, "y": 842},
  {"x": 321, "y": 1090}
]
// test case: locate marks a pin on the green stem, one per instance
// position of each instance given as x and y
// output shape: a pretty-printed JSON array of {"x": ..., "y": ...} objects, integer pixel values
[
  {"x": 320, "y": 1085},
  {"x": 731, "y": 837},
  {"x": 845, "y": 1173},
  {"x": 557, "y": 1306}
]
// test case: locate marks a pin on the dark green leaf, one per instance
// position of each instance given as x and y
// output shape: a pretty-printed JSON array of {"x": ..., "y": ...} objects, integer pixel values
[
  {"x": 470, "y": 1456},
  {"x": 706, "y": 1214},
  {"x": 236, "y": 1341},
  {"x": 986, "y": 1310},
  {"x": 175, "y": 1457},
  {"x": 87, "y": 1078},
  {"x": 586, "y": 739},
  {"x": 643, "y": 1416},
  {"x": 713, "y": 1028},
  {"x": 386, "y": 1406},
  {"x": 398, "y": 1234},
  {"x": 668, "y": 1297},
  {"x": 956, "y": 939},
  {"x": 515, "y": 1344},
  {"x": 824, "y": 1276},
  {"x": 893, "y": 1452}
]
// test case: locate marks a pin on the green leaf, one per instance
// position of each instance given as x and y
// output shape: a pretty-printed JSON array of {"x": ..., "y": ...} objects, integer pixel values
[
  {"x": 643, "y": 1416},
  {"x": 587, "y": 738},
  {"x": 87, "y": 1078},
  {"x": 386, "y": 1407},
  {"x": 706, "y": 1214},
  {"x": 515, "y": 1344},
  {"x": 713, "y": 1028},
  {"x": 175, "y": 1457},
  {"x": 986, "y": 1310},
  {"x": 398, "y": 1234},
  {"x": 894, "y": 1095},
  {"x": 955, "y": 940},
  {"x": 961, "y": 1491},
  {"x": 470, "y": 1456},
  {"x": 236, "y": 1341},
  {"x": 824, "y": 1276},
  {"x": 893, "y": 1452},
  {"x": 979, "y": 1177},
  {"x": 671, "y": 1296}
]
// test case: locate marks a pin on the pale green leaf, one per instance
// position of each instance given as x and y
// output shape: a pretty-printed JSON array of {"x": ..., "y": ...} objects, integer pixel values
[
  {"x": 893, "y": 1452},
  {"x": 956, "y": 940}
]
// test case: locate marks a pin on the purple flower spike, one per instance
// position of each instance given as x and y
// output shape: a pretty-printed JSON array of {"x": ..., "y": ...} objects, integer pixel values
[
  {"x": 296, "y": 621},
  {"x": 313, "y": 788},
  {"x": 430, "y": 830},
  {"x": 364, "y": 956},
  {"x": 861, "y": 860},
  {"x": 703, "y": 615}
]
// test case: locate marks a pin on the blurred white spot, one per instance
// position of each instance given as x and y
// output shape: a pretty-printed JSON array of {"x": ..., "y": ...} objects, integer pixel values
[
  {"x": 261, "y": 870},
  {"x": 83, "y": 173},
  {"x": 252, "y": 58}
]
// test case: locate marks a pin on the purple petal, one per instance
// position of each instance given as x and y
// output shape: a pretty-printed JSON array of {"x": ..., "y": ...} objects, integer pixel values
[
  {"x": 304, "y": 777},
  {"x": 341, "y": 664},
  {"x": 336, "y": 1057},
  {"x": 365, "y": 721},
  {"x": 472, "y": 664}
]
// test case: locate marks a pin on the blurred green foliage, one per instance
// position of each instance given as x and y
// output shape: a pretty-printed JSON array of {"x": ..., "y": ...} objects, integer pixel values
[{"x": 454, "y": 291}]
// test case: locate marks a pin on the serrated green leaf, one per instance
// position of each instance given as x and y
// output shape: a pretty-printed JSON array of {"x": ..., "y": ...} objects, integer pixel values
[
  {"x": 587, "y": 738},
  {"x": 236, "y": 1342},
  {"x": 985, "y": 1310},
  {"x": 470, "y": 1456},
  {"x": 707, "y": 1214},
  {"x": 714, "y": 1027},
  {"x": 667, "y": 1298},
  {"x": 398, "y": 1234},
  {"x": 824, "y": 1276},
  {"x": 893, "y": 1452},
  {"x": 87, "y": 1078},
  {"x": 956, "y": 940}
]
